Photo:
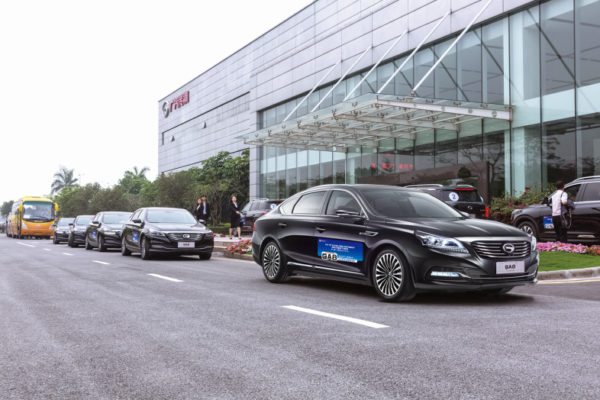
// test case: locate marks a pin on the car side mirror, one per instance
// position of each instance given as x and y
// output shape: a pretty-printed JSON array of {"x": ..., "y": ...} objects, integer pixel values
[
  {"x": 346, "y": 213},
  {"x": 464, "y": 214},
  {"x": 546, "y": 201},
  {"x": 203, "y": 222},
  {"x": 71, "y": 224},
  {"x": 96, "y": 223},
  {"x": 136, "y": 221}
]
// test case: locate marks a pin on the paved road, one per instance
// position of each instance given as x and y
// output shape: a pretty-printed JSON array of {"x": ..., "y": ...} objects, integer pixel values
[{"x": 78, "y": 324}]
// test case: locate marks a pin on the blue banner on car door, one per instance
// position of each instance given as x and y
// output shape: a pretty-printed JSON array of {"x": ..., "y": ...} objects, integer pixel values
[
  {"x": 340, "y": 250},
  {"x": 548, "y": 224}
]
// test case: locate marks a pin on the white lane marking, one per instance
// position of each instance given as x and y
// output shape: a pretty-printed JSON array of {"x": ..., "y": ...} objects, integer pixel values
[
  {"x": 47, "y": 250},
  {"x": 25, "y": 244},
  {"x": 67, "y": 254},
  {"x": 165, "y": 278},
  {"x": 336, "y": 316},
  {"x": 101, "y": 262}
]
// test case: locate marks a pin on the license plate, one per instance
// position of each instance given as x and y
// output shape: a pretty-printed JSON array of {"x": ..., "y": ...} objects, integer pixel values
[
  {"x": 510, "y": 267},
  {"x": 185, "y": 244}
]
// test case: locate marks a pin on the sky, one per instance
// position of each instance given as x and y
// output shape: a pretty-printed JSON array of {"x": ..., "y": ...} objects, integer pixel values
[{"x": 80, "y": 80}]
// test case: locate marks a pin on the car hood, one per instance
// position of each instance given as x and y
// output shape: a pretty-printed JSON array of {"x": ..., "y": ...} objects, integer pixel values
[
  {"x": 468, "y": 227},
  {"x": 114, "y": 227},
  {"x": 178, "y": 227}
]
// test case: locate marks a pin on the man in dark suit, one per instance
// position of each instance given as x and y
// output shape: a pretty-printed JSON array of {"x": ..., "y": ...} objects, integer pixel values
[{"x": 202, "y": 210}]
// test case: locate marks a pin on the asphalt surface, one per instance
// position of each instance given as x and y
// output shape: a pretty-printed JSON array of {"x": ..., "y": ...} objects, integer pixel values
[{"x": 75, "y": 328}]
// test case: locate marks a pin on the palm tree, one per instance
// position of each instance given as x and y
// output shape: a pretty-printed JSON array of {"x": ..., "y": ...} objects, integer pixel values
[
  {"x": 138, "y": 173},
  {"x": 64, "y": 178}
]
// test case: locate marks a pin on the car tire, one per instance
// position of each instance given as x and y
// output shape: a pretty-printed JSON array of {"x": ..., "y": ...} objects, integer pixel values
[
  {"x": 88, "y": 246},
  {"x": 54, "y": 240},
  {"x": 528, "y": 227},
  {"x": 145, "y": 249},
  {"x": 273, "y": 263},
  {"x": 391, "y": 276},
  {"x": 101, "y": 244},
  {"x": 124, "y": 250},
  {"x": 205, "y": 256},
  {"x": 70, "y": 241}
]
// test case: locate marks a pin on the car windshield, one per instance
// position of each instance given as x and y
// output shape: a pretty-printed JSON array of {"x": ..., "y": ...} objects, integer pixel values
[
  {"x": 469, "y": 195},
  {"x": 38, "y": 211},
  {"x": 65, "y": 221},
  {"x": 398, "y": 203},
  {"x": 170, "y": 217},
  {"x": 116, "y": 218},
  {"x": 83, "y": 220}
]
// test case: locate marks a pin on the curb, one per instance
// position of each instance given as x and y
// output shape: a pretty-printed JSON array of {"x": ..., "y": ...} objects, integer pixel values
[
  {"x": 569, "y": 273},
  {"x": 247, "y": 257}
]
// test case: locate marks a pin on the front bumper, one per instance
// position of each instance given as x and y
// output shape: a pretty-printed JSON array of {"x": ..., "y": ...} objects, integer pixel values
[
  {"x": 475, "y": 273},
  {"x": 167, "y": 246},
  {"x": 61, "y": 235},
  {"x": 78, "y": 237}
]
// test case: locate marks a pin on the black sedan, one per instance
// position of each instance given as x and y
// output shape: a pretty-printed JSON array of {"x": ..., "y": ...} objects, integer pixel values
[
  {"x": 105, "y": 230},
  {"x": 77, "y": 231},
  {"x": 166, "y": 230},
  {"x": 62, "y": 230},
  {"x": 397, "y": 240}
]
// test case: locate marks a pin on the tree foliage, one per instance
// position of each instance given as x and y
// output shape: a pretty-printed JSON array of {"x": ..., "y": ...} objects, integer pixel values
[
  {"x": 64, "y": 178},
  {"x": 218, "y": 179},
  {"x": 6, "y": 207}
]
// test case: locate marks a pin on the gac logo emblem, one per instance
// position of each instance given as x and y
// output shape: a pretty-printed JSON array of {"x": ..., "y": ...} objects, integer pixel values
[{"x": 508, "y": 248}]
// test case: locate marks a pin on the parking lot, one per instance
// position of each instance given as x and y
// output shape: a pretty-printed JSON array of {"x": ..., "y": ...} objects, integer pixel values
[{"x": 79, "y": 323}]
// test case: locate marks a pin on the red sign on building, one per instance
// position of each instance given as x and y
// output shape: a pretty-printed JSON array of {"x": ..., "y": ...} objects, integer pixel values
[{"x": 175, "y": 103}]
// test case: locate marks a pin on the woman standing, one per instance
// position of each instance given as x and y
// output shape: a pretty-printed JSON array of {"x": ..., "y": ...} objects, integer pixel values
[{"x": 235, "y": 218}]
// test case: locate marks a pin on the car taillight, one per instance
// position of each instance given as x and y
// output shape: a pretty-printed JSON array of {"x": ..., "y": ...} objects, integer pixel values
[{"x": 487, "y": 212}]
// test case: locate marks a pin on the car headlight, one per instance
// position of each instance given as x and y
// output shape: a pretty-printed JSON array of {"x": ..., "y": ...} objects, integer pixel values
[
  {"x": 533, "y": 243},
  {"x": 440, "y": 243},
  {"x": 154, "y": 232}
]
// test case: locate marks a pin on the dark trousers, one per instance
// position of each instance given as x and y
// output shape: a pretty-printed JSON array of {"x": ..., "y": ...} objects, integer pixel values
[{"x": 559, "y": 229}]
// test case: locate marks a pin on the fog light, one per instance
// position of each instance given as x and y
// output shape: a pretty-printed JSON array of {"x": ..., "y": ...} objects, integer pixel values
[{"x": 445, "y": 274}]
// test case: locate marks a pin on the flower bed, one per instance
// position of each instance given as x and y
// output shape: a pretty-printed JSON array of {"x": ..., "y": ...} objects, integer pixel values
[
  {"x": 568, "y": 248},
  {"x": 241, "y": 247}
]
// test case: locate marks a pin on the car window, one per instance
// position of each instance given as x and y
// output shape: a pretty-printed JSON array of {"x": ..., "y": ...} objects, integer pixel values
[
  {"x": 286, "y": 206},
  {"x": 469, "y": 195},
  {"x": 572, "y": 191},
  {"x": 136, "y": 215},
  {"x": 84, "y": 220},
  {"x": 255, "y": 206},
  {"x": 592, "y": 192},
  {"x": 246, "y": 207},
  {"x": 117, "y": 218},
  {"x": 341, "y": 200},
  {"x": 309, "y": 203}
]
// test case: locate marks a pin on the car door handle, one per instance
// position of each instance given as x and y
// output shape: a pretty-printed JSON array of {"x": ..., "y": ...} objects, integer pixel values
[
  {"x": 282, "y": 225},
  {"x": 368, "y": 233},
  {"x": 320, "y": 229}
]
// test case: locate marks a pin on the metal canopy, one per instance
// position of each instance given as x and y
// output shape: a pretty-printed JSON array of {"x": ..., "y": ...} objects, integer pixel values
[{"x": 365, "y": 120}]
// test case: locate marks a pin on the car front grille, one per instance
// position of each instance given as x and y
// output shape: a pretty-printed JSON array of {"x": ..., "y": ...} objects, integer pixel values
[
  {"x": 184, "y": 236},
  {"x": 494, "y": 249}
]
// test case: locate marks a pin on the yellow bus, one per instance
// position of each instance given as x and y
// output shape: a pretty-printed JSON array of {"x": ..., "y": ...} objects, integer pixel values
[{"x": 31, "y": 217}]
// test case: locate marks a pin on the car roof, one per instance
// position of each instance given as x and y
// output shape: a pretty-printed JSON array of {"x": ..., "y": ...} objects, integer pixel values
[{"x": 441, "y": 187}]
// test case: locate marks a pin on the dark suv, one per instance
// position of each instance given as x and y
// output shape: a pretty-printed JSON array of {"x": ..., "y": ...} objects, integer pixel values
[
  {"x": 536, "y": 219},
  {"x": 255, "y": 209},
  {"x": 77, "y": 231},
  {"x": 464, "y": 198}
]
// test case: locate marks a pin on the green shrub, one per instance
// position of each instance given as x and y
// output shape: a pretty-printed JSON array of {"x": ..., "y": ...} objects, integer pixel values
[{"x": 502, "y": 207}]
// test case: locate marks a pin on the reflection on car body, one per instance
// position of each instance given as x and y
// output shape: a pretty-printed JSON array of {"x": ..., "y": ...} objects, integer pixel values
[
  {"x": 397, "y": 240},
  {"x": 166, "y": 230}
]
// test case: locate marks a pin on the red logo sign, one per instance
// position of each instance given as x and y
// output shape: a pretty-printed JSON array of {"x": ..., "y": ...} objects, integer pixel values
[{"x": 175, "y": 103}]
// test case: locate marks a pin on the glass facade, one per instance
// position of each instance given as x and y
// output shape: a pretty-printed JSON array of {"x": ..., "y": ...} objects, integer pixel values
[{"x": 543, "y": 61}]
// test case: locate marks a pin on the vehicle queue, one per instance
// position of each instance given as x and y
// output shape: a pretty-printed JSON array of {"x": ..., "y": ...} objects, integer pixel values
[{"x": 397, "y": 240}]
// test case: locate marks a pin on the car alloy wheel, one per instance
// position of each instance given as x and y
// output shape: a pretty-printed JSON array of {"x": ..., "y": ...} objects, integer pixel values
[
  {"x": 273, "y": 263},
  {"x": 101, "y": 245},
  {"x": 528, "y": 228},
  {"x": 391, "y": 277},
  {"x": 124, "y": 250},
  {"x": 145, "y": 249}
]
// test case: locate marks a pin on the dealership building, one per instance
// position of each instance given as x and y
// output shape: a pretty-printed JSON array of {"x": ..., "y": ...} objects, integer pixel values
[{"x": 504, "y": 94}]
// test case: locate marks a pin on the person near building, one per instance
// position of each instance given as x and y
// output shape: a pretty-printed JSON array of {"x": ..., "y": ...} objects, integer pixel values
[
  {"x": 235, "y": 218},
  {"x": 559, "y": 203},
  {"x": 202, "y": 210}
]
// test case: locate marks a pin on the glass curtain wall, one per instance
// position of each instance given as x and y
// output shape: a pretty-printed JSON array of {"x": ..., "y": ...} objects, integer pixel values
[{"x": 543, "y": 61}]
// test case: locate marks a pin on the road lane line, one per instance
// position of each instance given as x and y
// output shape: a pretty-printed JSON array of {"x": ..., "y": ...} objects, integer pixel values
[
  {"x": 47, "y": 250},
  {"x": 165, "y": 278},
  {"x": 567, "y": 281},
  {"x": 25, "y": 244},
  {"x": 67, "y": 254},
  {"x": 336, "y": 316},
  {"x": 101, "y": 262}
]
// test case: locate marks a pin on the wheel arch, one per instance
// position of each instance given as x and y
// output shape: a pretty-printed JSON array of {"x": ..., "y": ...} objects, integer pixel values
[{"x": 384, "y": 245}]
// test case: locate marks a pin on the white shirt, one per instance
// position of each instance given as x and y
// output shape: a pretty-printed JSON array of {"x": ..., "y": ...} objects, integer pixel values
[{"x": 557, "y": 200}]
